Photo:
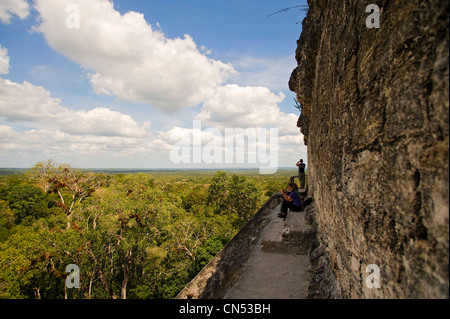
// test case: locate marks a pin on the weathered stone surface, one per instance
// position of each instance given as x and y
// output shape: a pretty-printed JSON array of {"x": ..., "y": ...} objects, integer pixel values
[
  {"x": 375, "y": 118},
  {"x": 223, "y": 271},
  {"x": 277, "y": 267},
  {"x": 291, "y": 236}
]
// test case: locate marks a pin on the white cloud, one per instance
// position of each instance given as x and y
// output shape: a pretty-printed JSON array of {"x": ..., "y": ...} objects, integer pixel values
[
  {"x": 213, "y": 144},
  {"x": 25, "y": 148},
  {"x": 16, "y": 7},
  {"x": 54, "y": 142},
  {"x": 6, "y": 132},
  {"x": 236, "y": 106},
  {"x": 4, "y": 60},
  {"x": 28, "y": 103},
  {"x": 129, "y": 58},
  {"x": 292, "y": 141},
  {"x": 62, "y": 133},
  {"x": 105, "y": 122}
]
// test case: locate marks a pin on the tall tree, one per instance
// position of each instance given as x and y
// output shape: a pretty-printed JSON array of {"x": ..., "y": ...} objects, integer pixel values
[{"x": 64, "y": 180}]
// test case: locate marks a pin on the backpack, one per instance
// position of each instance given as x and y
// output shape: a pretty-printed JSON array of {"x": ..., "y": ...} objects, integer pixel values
[{"x": 307, "y": 202}]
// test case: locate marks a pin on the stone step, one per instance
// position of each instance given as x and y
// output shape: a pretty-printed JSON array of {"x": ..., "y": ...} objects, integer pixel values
[
  {"x": 291, "y": 236},
  {"x": 275, "y": 268}
]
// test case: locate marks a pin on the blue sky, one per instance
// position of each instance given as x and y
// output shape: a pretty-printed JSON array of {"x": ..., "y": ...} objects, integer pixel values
[{"x": 117, "y": 90}]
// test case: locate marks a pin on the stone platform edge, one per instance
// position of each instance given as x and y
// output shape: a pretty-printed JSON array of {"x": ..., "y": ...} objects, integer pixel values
[{"x": 225, "y": 268}]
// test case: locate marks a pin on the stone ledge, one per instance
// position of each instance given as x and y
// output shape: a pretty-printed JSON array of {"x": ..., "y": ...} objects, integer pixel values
[
  {"x": 226, "y": 267},
  {"x": 291, "y": 236}
]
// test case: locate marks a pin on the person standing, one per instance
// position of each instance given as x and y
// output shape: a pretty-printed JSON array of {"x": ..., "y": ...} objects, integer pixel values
[{"x": 301, "y": 173}]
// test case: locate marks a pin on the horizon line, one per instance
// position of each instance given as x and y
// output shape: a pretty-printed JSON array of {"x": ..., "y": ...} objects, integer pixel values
[{"x": 152, "y": 169}]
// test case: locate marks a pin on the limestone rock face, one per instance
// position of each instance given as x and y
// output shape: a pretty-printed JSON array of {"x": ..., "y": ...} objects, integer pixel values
[{"x": 375, "y": 119}]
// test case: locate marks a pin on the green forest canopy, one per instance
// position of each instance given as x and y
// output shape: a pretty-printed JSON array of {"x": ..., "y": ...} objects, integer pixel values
[{"x": 132, "y": 235}]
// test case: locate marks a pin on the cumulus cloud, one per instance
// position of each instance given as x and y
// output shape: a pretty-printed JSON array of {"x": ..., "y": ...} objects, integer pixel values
[
  {"x": 103, "y": 121},
  {"x": 26, "y": 102},
  {"x": 29, "y": 103},
  {"x": 130, "y": 59},
  {"x": 24, "y": 148},
  {"x": 54, "y": 143},
  {"x": 236, "y": 106},
  {"x": 6, "y": 132},
  {"x": 8, "y": 8},
  {"x": 4, "y": 60}
]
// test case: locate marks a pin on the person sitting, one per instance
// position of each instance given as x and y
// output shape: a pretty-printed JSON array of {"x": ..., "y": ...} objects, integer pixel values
[{"x": 291, "y": 200}]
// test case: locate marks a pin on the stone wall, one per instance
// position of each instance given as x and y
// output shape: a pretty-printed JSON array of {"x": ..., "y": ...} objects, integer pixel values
[{"x": 375, "y": 119}]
